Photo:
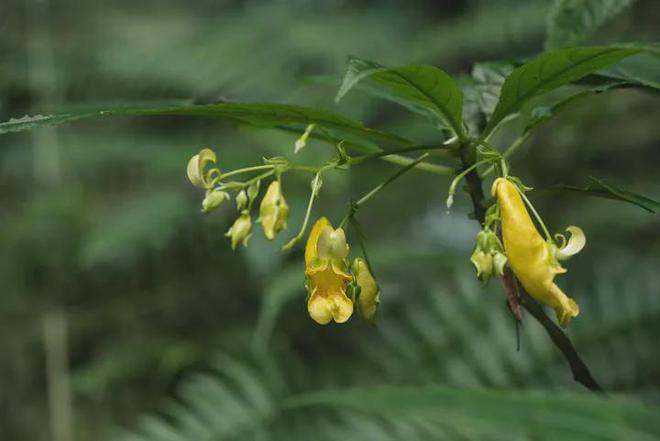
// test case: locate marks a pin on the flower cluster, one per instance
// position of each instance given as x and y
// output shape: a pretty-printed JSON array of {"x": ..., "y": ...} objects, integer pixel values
[
  {"x": 273, "y": 210},
  {"x": 335, "y": 288},
  {"x": 488, "y": 257}
]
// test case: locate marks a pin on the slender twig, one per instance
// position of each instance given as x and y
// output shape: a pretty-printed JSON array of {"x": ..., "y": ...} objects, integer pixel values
[
  {"x": 510, "y": 150},
  {"x": 315, "y": 189},
  {"x": 396, "y": 175},
  {"x": 246, "y": 170},
  {"x": 535, "y": 213},
  {"x": 392, "y": 158},
  {"x": 416, "y": 148}
]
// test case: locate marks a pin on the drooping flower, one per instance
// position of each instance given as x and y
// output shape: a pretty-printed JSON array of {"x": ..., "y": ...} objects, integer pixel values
[
  {"x": 532, "y": 259},
  {"x": 273, "y": 211},
  {"x": 197, "y": 174},
  {"x": 369, "y": 295},
  {"x": 241, "y": 231},
  {"x": 325, "y": 271}
]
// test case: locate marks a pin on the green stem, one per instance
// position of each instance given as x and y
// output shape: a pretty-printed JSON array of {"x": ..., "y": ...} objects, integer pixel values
[
  {"x": 246, "y": 170},
  {"x": 303, "y": 167},
  {"x": 392, "y": 158},
  {"x": 510, "y": 150},
  {"x": 315, "y": 189},
  {"x": 460, "y": 176},
  {"x": 396, "y": 175},
  {"x": 374, "y": 155},
  {"x": 536, "y": 214},
  {"x": 240, "y": 185}
]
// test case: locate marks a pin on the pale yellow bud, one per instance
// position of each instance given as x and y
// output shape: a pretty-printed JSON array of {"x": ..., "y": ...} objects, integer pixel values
[
  {"x": 274, "y": 211},
  {"x": 213, "y": 200},
  {"x": 241, "y": 230}
]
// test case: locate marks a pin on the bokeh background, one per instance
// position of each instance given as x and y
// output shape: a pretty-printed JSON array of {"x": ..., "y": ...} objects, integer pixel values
[{"x": 123, "y": 310}]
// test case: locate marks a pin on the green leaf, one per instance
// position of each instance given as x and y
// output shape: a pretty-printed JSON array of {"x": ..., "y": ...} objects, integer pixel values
[
  {"x": 550, "y": 71},
  {"x": 642, "y": 70},
  {"x": 488, "y": 79},
  {"x": 598, "y": 188},
  {"x": 258, "y": 115},
  {"x": 571, "y": 22},
  {"x": 498, "y": 414},
  {"x": 421, "y": 88}
]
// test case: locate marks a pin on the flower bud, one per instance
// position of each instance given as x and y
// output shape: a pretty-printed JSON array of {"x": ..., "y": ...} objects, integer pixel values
[
  {"x": 240, "y": 231},
  {"x": 253, "y": 190},
  {"x": 483, "y": 262},
  {"x": 369, "y": 294},
  {"x": 213, "y": 200},
  {"x": 273, "y": 212},
  {"x": 241, "y": 200},
  {"x": 499, "y": 262},
  {"x": 488, "y": 256}
]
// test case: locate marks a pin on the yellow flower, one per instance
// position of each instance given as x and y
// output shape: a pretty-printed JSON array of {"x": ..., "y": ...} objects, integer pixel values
[
  {"x": 325, "y": 270},
  {"x": 273, "y": 211},
  {"x": 240, "y": 231},
  {"x": 369, "y": 296},
  {"x": 196, "y": 166},
  {"x": 532, "y": 259}
]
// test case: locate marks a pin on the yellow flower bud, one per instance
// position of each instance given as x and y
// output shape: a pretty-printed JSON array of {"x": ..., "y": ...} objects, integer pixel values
[
  {"x": 325, "y": 271},
  {"x": 499, "y": 262},
  {"x": 273, "y": 212},
  {"x": 369, "y": 296},
  {"x": 240, "y": 231},
  {"x": 530, "y": 256},
  {"x": 196, "y": 165},
  {"x": 213, "y": 200}
]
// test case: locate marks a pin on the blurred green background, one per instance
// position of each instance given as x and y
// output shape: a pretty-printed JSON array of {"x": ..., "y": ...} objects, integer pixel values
[{"x": 118, "y": 299}]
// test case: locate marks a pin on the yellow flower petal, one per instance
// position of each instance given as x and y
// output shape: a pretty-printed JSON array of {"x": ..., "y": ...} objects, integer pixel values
[
  {"x": 324, "y": 309},
  {"x": 530, "y": 256},
  {"x": 310, "y": 247}
]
